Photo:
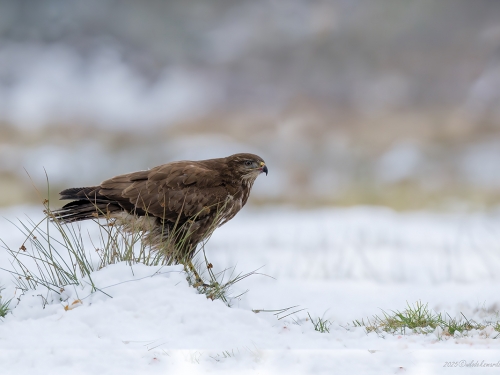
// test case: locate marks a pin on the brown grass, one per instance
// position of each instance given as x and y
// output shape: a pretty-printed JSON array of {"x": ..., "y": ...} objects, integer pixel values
[{"x": 297, "y": 139}]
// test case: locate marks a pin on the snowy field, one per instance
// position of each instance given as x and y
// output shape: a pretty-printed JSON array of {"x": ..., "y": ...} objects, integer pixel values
[{"x": 339, "y": 264}]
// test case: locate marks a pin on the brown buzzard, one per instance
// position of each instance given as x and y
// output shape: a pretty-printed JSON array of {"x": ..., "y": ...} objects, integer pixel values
[{"x": 179, "y": 204}]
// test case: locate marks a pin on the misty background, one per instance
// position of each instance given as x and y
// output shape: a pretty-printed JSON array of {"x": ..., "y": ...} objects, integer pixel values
[{"x": 349, "y": 101}]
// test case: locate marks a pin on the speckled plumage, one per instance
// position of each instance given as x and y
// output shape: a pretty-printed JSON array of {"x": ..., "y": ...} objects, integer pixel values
[{"x": 187, "y": 198}]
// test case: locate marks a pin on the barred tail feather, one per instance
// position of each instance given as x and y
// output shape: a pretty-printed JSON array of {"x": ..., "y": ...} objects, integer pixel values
[
  {"x": 86, "y": 193},
  {"x": 83, "y": 210},
  {"x": 88, "y": 204}
]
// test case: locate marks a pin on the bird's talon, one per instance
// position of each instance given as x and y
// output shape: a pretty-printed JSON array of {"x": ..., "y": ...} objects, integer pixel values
[{"x": 200, "y": 283}]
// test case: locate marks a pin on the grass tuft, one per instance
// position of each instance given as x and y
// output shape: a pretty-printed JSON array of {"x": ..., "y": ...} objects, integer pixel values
[
  {"x": 4, "y": 305},
  {"x": 320, "y": 324},
  {"x": 418, "y": 318}
]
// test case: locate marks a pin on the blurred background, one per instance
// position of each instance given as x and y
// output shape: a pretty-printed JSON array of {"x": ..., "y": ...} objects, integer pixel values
[{"x": 377, "y": 102}]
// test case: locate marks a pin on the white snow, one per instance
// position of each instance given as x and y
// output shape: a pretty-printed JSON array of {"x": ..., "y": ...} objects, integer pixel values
[{"x": 340, "y": 264}]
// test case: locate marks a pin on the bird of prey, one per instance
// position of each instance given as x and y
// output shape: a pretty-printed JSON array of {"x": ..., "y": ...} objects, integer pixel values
[{"x": 175, "y": 205}]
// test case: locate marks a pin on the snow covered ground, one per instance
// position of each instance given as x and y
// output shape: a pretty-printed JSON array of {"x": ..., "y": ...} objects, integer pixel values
[{"x": 340, "y": 264}]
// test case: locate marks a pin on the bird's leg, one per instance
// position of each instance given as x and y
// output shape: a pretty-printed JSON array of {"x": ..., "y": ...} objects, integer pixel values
[{"x": 198, "y": 279}]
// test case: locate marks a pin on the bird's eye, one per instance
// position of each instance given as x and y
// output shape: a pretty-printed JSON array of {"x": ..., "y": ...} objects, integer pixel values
[{"x": 248, "y": 163}]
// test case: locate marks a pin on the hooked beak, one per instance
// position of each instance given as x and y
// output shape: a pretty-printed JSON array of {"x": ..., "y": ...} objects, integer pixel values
[{"x": 263, "y": 168}]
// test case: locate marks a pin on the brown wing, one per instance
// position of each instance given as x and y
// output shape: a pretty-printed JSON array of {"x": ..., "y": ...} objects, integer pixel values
[{"x": 171, "y": 191}]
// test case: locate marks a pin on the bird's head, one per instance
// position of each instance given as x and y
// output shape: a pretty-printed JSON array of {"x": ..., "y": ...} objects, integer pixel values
[{"x": 247, "y": 166}]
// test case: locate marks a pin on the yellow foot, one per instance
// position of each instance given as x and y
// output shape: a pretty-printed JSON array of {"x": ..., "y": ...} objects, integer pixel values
[{"x": 198, "y": 280}]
